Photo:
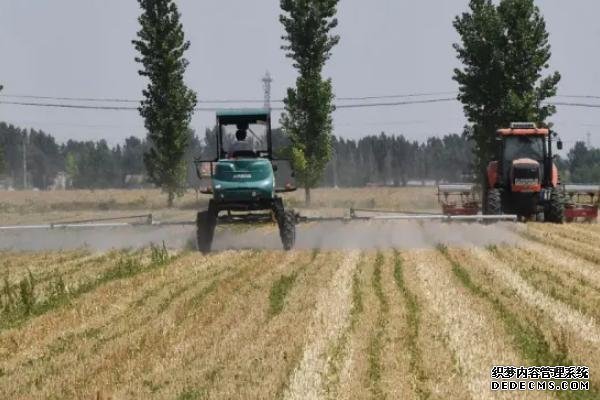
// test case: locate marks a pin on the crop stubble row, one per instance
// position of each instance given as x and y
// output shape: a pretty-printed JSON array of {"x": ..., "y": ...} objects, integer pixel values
[{"x": 376, "y": 324}]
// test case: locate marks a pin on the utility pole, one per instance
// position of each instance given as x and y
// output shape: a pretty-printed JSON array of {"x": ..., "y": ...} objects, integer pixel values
[
  {"x": 335, "y": 172},
  {"x": 25, "y": 142},
  {"x": 267, "y": 89},
  {"x": 589, "y": 140}
]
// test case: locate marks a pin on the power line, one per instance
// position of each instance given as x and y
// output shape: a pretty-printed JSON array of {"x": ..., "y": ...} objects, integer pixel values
[
  {"x": 220, "y": 101},
  {"x": 102, "y": 108},
  {"x": 212, "y": 109},
  {"x": 217, "y": 101},
  {"x": 568, "y": 104},
  {"x": 127, "y": 108},
  {"x": 397, "y": 96},
  {"x": 76, "y": 106},
  {"x": 87, "y": 99},
  {"x": 395, "y": 103},
  {"x": 579, "y": 96},
  {"x": 119, "y": 100}
]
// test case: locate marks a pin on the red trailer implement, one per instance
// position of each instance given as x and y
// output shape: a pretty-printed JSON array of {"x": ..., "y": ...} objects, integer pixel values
[
  {"x": 458, "y": 199},
  {"x": 581, "y": 202}
]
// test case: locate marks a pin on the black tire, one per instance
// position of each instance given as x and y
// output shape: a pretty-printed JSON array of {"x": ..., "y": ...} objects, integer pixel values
[
  {"x": 540, "y": 217},
  {"x": 556, "y": 207},
  {"x": 493, "y": 204},
  {"x": 206, "y": 221},
  {"x": 286, "y": 220}
]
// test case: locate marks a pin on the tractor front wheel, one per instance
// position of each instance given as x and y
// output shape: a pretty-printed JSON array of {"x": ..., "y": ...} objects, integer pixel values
[
  {"x": 493, "y": 202},
  {"x": 206, "y": 221},
  {"x": 555, "y": 212}
]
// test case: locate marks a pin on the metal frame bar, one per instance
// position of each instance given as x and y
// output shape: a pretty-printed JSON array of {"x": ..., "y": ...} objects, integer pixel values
[{"x": 262, "y": 218}]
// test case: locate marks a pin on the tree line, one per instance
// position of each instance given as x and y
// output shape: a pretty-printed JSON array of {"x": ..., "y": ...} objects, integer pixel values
[
  {"x": 383, "y": 159},
  {"x": 86, "y": 164},
  {"x": 375, "y": 159}
]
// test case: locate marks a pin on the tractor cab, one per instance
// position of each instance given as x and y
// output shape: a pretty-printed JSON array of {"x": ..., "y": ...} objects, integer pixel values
[
  {"x": 243, "y": 175},
  {"x": 524, "y": 179},
  {"x": 526, "y": 158},
  {"x": 244, "y": 134}
]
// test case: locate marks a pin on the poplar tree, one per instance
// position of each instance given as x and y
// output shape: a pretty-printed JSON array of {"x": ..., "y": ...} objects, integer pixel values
[
  {"x": 307, "y": 118},
  {"x": 168, "y": 103},
  {"x": 504, "y": 49}
]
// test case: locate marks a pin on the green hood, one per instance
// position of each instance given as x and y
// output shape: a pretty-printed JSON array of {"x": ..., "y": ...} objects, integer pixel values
[
  {"x": 243, "y": 170},
  {"x": 233, "y": 178}
]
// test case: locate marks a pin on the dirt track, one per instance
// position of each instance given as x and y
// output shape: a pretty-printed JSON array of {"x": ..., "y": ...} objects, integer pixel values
[{"x": 327, "y": 235}]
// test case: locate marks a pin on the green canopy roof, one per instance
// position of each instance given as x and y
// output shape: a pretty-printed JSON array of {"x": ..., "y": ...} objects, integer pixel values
[
  {"x": 239, "y": 112},
  {"x": 241, "y": 115}
]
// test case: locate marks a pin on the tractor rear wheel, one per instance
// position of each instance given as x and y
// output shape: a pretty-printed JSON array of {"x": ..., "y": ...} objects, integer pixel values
[
  {"x": 555, "y": 212},
  {"x": 206, "y": 221},
  {"x": 493, "y": 202},
  {"x": 286, "y": 219}
]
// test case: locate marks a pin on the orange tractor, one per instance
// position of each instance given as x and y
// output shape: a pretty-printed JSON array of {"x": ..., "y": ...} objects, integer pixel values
[{"x": 524, "y": 180}]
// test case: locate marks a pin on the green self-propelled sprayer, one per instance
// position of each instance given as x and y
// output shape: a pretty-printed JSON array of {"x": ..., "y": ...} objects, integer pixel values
[{"x": 243, "y": 184}]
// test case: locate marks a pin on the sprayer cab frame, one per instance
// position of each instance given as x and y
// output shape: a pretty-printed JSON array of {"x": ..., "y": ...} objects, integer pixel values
[{"x": 245, "y": 117}]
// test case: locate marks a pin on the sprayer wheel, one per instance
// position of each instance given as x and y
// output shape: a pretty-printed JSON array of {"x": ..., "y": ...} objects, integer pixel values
[
  {"x": 205, "y": 230},
  {"x": 556, "y": 208},
  {"x": 494, "y": 202},
  {"x": 287, "y": 228}
]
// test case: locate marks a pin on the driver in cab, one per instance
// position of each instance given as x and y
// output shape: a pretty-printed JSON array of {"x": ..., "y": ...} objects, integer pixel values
[{"x": 241, "y": 143}]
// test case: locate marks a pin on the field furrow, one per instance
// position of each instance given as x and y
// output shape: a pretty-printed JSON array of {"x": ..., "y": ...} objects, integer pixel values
[
  {"x": 229, "y": 347},
  {"x": 400, "y": 364},
  {"x": 578, "y": 232},
  {"x": 474, "y": 336},
  {"x": 546, "y": 331},
  {"x": 331, "y": 317},
  {"x": 92, "y": 322},
  {"x": 570, "y": 282},
  {"x": 569, "y": 243},
  {"x": 434, "y": 371},
  {"x": 167, "y": 342},
  {"x": 348, "y": 369},
  {"x": 568, "y": 318},
  {"x": 550, "y": 258},
  {"x": 14, "y": 269},
  {"x": 272, "y": 343}
]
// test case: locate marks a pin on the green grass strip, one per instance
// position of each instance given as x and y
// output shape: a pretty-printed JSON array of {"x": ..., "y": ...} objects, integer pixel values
[
  {"x": 527, "y": 337},
  {"x": 413, "y": 320},
  {"x": 279, "y": 291},
  {"x": 538, "y": 237},
  {"x": 26, "y": 306},
  {"x": 551, "y": 283},
  {"x": 340, "y": 349},
  {"x": 377, "y": 340},
  {"x": 282, "y": 287}
]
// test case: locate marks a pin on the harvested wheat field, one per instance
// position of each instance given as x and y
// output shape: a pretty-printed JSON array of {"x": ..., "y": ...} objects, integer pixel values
[
  {"x": 423, "y": 322},
  {"x": 26, "y": 207}
]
